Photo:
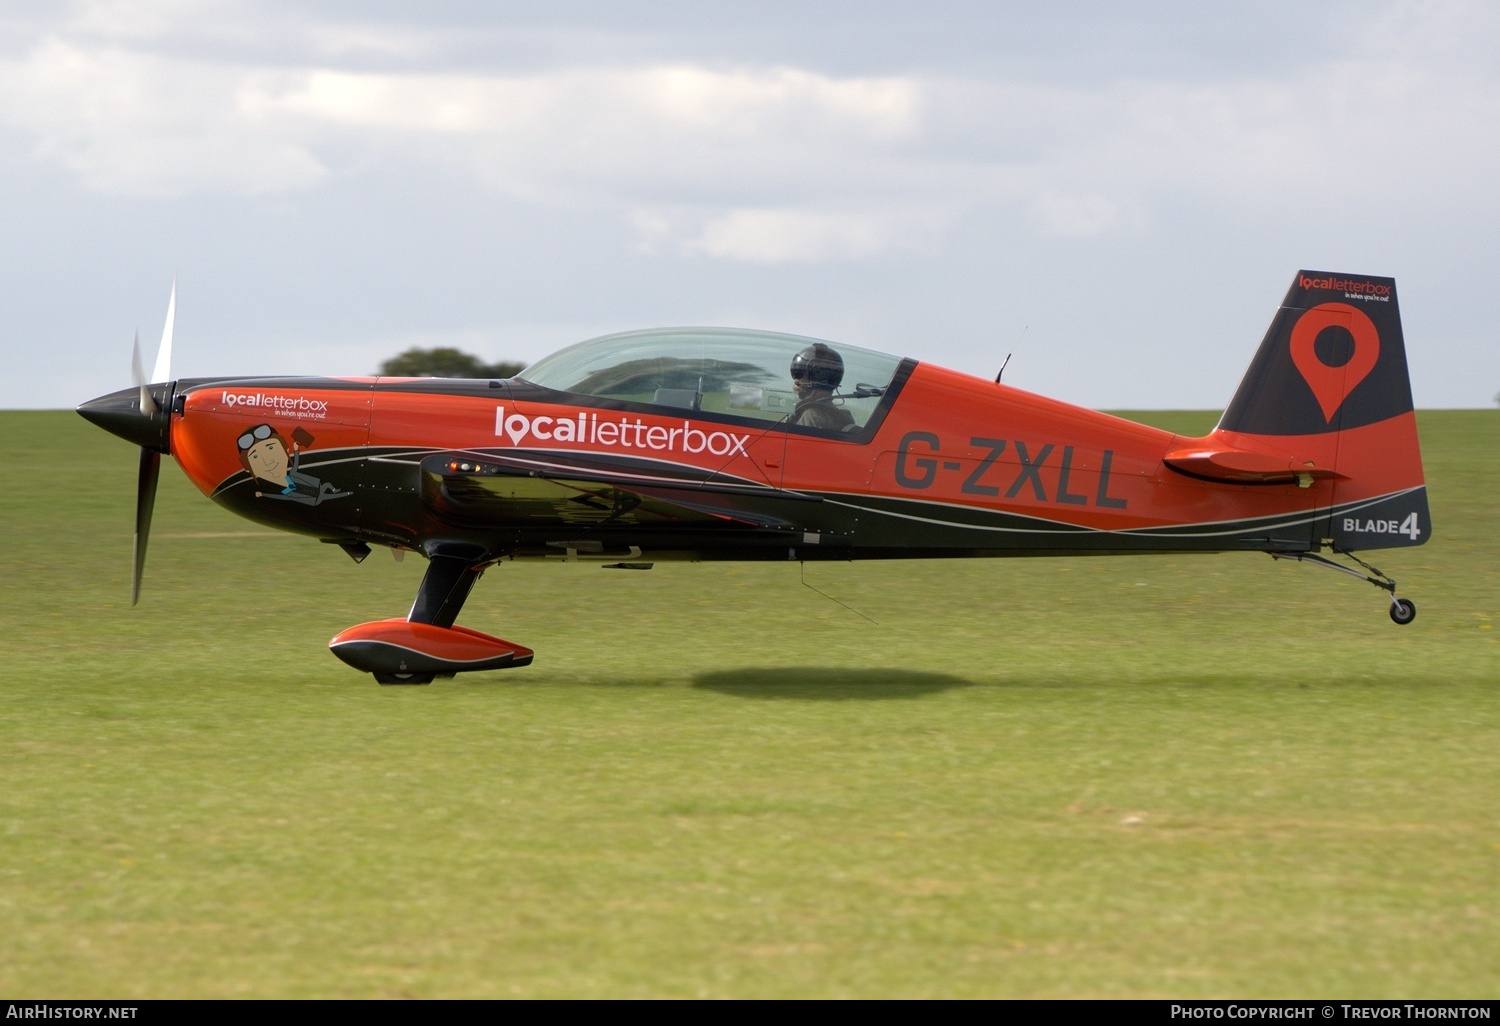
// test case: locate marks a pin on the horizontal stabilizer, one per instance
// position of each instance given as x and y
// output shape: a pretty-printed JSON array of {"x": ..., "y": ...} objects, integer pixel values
[{"x": 1246, "y": 467}]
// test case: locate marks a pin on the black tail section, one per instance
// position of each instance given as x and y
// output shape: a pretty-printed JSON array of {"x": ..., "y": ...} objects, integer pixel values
[{"x": 1333, "y": 359}]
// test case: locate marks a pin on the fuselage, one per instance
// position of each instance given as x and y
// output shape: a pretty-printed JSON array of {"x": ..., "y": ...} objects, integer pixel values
[{"x": 946, "y": 465}]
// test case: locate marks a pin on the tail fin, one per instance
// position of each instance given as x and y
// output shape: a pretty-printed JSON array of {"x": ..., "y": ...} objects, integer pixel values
[
  {"x": 1333, "y": 359},
  {"x": 1329, "y": 389}
]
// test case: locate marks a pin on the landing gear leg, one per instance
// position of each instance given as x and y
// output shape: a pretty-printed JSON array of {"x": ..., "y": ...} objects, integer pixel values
[
  {"x": 1403, "y": 611},
  {"x": 427, "y": 644},
  {"x": 445, "y": 586}
]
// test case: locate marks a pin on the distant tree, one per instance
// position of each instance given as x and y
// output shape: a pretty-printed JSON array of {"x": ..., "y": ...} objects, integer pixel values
[{"x": 445, "y": 362}]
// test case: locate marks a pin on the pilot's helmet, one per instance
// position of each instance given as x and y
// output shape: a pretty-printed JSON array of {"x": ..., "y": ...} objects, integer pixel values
[{"x": 819, "y": 365}]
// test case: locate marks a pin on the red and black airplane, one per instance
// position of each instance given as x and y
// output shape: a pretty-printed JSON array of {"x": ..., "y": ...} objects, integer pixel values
[{"x": 716, "y": 443}]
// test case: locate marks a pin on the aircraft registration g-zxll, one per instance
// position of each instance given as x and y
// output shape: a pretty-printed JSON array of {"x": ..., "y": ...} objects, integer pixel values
[{"x": 720, "y": 444}]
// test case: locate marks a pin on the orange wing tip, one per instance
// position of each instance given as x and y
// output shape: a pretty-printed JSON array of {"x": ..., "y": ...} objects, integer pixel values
[
  {"x": 399, "y": 646},
  {"x": 1245, "y": 467}
]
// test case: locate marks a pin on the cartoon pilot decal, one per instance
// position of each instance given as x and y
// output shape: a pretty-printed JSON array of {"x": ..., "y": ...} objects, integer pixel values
[{"x": 275, "y": 467}]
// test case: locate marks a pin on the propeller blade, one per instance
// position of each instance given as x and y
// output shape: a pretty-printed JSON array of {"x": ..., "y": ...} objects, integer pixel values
[
  {"x": 163, "y": 371},
  {"x": 145, "y": 501},
  {"x": 148, "y": 405}
]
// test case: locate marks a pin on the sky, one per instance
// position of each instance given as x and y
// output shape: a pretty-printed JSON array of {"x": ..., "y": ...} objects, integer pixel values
[{"x": 1118, "y": 194}]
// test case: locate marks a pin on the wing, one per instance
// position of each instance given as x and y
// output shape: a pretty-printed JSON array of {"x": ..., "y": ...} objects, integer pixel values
[{"x": 545, "y": 489}]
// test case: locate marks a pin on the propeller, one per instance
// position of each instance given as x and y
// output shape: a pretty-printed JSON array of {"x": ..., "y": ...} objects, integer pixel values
[
  {"x": 145, "y": 501},
  {"x": 142, "y": 416},
  {"x": 148, "y": 404},
  {"x": 163, "y": 370}
]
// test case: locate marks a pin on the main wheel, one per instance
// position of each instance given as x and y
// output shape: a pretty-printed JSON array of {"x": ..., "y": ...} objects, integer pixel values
[
  {"x": 1403, "y": 611},
  {"x": 403, "y": 678}
]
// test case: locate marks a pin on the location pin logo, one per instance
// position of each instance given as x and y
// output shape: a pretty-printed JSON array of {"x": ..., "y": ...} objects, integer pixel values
[{"x": 1332, "y": 384}]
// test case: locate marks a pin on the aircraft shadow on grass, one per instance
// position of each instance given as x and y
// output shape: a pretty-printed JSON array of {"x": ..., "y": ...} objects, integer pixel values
[{"x": 827, "y": 684}]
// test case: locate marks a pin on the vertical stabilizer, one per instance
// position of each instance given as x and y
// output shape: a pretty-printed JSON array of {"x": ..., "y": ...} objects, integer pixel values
[{"x": 1329, "y": 387}]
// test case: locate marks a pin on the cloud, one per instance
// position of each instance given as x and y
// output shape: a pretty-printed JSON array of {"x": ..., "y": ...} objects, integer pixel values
[
  {"x": 759, "y": 163},
  {"x": 602, "y": 136},
  {"x": 778, "y": 235},
  {"x": 131, "y": 122},
  {"x": 138, "y": 124},
  {"x": 1062, "y": 214}
]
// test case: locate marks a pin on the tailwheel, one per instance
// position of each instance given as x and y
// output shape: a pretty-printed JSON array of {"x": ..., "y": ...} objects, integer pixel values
[{"x": 1403, "y": 611}]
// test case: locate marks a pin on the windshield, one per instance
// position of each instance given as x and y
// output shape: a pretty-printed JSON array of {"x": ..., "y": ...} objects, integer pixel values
[{"x": 721, "y": 370}]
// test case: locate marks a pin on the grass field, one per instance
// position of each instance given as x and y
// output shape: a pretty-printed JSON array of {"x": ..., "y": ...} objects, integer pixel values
[{"x": 1145, "y": 776}]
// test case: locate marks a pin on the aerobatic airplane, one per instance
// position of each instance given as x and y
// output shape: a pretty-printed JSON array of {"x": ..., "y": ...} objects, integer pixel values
[{"x": 718, "y": 444}]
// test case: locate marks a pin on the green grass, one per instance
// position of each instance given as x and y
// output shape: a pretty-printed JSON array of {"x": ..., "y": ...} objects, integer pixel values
[{"x": 1149, "y": 776}]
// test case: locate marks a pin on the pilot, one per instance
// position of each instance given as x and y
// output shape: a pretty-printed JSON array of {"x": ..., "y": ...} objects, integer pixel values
[{"x": 816, "y": 372}]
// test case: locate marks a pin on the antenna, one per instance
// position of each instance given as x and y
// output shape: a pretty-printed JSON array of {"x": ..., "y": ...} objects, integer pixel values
[
  {"x": 1009, "y": 355},
  {"x": 802, "y": 565}
]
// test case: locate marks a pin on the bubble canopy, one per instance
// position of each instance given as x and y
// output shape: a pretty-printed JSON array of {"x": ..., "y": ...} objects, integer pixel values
[{"x": 731, "y": 371}]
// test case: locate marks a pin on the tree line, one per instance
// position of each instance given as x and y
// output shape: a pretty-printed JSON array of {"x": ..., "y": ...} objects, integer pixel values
[{"x": 445, "y": 362}]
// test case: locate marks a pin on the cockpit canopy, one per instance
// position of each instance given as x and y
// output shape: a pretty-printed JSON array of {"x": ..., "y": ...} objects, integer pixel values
[{"x": 730, "y": 371}]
